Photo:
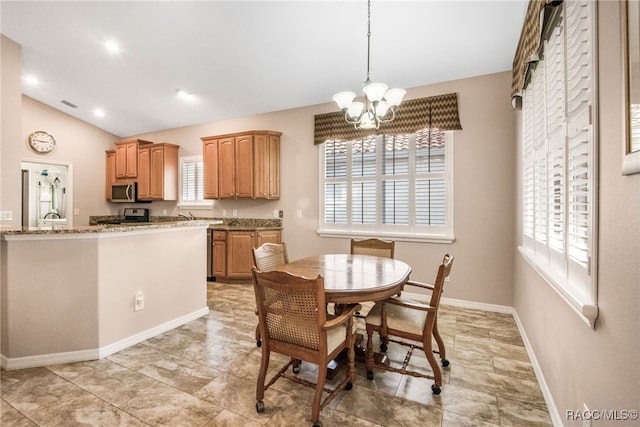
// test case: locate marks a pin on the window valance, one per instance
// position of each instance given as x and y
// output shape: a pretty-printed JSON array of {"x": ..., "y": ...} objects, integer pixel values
[
  {"x": 529, "y": 44},
  {"x": 413, "y": 115}
]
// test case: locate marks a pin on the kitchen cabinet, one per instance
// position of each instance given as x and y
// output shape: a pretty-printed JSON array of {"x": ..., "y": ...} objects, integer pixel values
[
  {"x": 158, "y": 172},
  {"x": 127, "y": 157},
  {"x": 243, "y": 165},
  {"x": 237, "y": 247},
  {"x": 210, "y": 165},
  {"x": 219, "y": 254},
  {"x": 110, "y": 173}
]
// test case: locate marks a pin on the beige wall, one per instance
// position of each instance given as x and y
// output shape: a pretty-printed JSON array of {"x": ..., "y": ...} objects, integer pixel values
[
  {"x": 601, "y": 366},
  {"x": 78, "y": 143},
  {"x": 484, "y": 187}
]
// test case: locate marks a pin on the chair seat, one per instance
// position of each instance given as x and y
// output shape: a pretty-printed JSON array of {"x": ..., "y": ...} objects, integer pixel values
[{"x": 398, "y": 318}]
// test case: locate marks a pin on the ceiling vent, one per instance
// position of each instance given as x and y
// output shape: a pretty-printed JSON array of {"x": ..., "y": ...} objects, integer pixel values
[{"x": 68, "y": 104}]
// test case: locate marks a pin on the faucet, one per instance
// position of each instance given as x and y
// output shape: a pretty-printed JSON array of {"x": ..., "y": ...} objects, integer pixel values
[
  {"x": 53, "y": 215},
  {"x": 189, "y": 217}
]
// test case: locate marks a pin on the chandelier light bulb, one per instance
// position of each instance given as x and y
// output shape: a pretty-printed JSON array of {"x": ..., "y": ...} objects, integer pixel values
[
  {"x": 355, "y": 110},
  {"x": 375, "y": 91},
  {"x": 394, "y": 96},
  {"x": 344, "y": 99}
]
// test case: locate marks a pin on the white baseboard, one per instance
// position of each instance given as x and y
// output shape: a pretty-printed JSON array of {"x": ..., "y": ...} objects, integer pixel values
[
  {"x": 544, "y": 388},
  {"x": 98, "y": 353}
]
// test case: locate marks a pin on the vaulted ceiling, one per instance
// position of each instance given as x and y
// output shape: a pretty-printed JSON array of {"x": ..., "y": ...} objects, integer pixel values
[{"x": 239, "y": 58}]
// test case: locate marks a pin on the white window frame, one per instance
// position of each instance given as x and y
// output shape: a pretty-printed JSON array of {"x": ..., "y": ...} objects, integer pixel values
[
  {"x": 552, "y": 129},
  {"x": 410, "y": 232},
  {"x": 194, "y": 204}
]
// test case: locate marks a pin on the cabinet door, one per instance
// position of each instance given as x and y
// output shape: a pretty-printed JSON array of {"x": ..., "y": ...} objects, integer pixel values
[
  {"x": 219, "y": 258},
  {"x": 110, "y": 177},
  {"x": 144, "y": 178},
  {"x": 210, "y": 164},
  {"x": 132, "y": 159},
  {"x": 239, "y": 258},
  {"x": 274, "y": 167},
  {"x": 244, "y": 166},
  {"x": 156, "y": 173},
  {"x": 261, "y": 167},
  {"x": 268, "y": 236},
  {"x": 226, "y": 168},
  {"x": 121, "y": 161}
]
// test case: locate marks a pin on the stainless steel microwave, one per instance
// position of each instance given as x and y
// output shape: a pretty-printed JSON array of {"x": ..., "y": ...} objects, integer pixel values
[{"x": 124, "y": 193}]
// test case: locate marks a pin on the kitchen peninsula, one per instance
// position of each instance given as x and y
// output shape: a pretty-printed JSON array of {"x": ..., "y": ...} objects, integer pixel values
[{"x": 87, "y": 292}]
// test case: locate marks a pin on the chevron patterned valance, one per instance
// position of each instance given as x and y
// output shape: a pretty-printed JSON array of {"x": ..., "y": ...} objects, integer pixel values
[
  {"x": 530, "y": 41},
  {"x": 413, "y": 115}
]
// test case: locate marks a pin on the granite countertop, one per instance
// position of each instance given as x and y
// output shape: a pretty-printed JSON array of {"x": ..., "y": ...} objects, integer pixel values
[
  {"x": 102, "y": 228},
  {"x": 227, "y": 224}
]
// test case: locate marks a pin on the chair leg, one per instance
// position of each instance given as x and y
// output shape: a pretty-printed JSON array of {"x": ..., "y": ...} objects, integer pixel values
[
  {"x": 369, "y": 355},
  {"x": 258, "y": 340},
  {"x": 317, "y": 397},
  {"x": 441, "y": 349},
  {"x": 428, "y": 351},
  {"x": 262, "y": 374}
]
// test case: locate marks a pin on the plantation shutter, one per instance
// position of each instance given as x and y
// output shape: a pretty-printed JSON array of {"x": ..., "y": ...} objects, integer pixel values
[
  {"x": 192, "y": 177},
  {"x": 579, "y": 132},
  {"x": 335, "y": 191}
]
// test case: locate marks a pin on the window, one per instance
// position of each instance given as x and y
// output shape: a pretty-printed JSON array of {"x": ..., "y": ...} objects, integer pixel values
[
  {"x": 192, "y": 183},
  {"x": 559, "y": 159},
  {"x": 398, "y": 186}
]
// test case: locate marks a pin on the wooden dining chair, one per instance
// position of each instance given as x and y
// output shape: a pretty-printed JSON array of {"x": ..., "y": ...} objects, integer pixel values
[
  {"x": 266, "y": 257},
  {"x": 375, "y": 247},
  {"x": 413, "y": 321},
  {"x": 294, "y": 323}
]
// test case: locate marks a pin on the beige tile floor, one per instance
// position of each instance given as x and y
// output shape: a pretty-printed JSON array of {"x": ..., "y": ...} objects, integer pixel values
[{"x": 203, "y": 374}]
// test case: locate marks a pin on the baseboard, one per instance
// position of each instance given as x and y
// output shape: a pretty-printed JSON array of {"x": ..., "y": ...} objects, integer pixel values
[
  {"x": 98, "y": 353},
  {"x": 544, "y": 388}
]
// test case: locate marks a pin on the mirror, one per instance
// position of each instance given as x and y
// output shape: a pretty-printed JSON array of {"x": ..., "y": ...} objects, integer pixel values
[{"x": 631, "y": 42}]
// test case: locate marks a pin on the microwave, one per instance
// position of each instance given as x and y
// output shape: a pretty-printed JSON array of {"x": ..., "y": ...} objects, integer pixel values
[{"x": 124, "y": 193}]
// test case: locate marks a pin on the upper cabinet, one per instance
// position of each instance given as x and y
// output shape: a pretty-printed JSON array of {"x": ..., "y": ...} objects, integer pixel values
[
  {"x": 111, "y": 172},
  {"x": 153, "y": 166},
  {"x": 127, "y": 157},
  {"x": 243, "y": 165},
  {"x": 158, "y": 172}
]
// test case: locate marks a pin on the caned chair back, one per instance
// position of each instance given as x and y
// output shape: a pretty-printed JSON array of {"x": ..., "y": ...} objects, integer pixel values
[
  {"x": 374, "y": 247},
  {"x": 291, "y": 308},
  {"x": 269, "y": 256}
]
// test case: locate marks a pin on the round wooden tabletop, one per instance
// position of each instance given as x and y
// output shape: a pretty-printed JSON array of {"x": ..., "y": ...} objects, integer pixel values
[{"x": 353, "y": 278}]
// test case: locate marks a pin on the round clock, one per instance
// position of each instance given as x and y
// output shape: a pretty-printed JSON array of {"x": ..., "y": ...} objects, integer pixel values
[{"x": 42, "y": 142}]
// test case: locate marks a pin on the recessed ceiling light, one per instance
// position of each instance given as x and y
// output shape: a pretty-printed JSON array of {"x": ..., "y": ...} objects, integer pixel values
[
  {"x": 112, "y": 46},
  {"x": 98, "y": 112},
  {"x": 32, "y": 80},
  {"x": 183, "y": 94}
]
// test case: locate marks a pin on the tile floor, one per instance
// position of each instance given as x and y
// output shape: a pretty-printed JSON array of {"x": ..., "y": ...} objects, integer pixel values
[{"x": 203, "y": 374}]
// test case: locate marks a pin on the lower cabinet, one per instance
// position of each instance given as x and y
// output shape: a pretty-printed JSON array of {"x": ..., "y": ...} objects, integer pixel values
[{"x": 232, "y": 251}]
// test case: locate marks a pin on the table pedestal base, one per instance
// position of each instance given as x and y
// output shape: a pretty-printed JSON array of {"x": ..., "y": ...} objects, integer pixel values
[{"x": 361, "y": 355}]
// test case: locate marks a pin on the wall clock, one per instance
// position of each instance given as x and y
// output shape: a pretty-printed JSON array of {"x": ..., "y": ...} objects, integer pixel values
[{"x": 42, "y": 142}]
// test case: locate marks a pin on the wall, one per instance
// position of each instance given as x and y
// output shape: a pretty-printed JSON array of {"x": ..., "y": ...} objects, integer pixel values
[
  {"x": 484, "y": 184},
  {"x": 601, "y": 366},
  {"x": 78, "y": 143}
]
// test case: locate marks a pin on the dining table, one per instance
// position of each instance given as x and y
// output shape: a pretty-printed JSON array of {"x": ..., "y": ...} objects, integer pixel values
[{"x": 349, "y": 279}]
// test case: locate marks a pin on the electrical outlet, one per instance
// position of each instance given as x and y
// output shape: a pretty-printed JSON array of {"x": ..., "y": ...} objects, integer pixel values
[
  {"x": 234, "y": 213},
  {"x": 299, "y": 213},
  {"x": 76, "y": 211},
  {"x": 275, "y": 213},
  {"x": 138, "y": 301},
  {"x": 224, "y": 213},
  {"x": 6, "y": 215}
]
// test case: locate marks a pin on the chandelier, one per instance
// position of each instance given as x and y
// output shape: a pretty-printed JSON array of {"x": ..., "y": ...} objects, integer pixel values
[{"x": 380, "y": 102}]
